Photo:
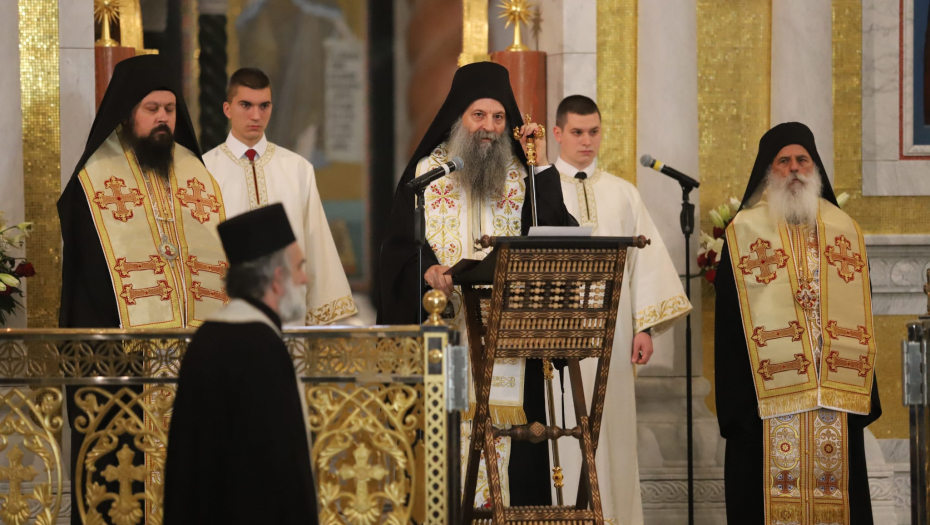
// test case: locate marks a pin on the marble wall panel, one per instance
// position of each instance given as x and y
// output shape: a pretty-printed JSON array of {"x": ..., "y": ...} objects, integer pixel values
[
  {"x": 885, "y": 171},
  {"x": 802, "y": 80},
  {"x": 11, "y": 134}
]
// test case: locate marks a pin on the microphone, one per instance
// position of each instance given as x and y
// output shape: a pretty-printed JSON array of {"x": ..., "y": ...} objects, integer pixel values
[
  {"x": 684, "y": 180},
  {"x": 420, "y": 183}
]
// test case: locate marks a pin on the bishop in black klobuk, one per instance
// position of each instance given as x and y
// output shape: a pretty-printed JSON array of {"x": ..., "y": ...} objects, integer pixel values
[{"x": 239, "y": 448}]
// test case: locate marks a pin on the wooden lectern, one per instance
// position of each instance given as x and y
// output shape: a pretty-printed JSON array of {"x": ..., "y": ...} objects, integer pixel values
[{"x": 551, "y": 298}]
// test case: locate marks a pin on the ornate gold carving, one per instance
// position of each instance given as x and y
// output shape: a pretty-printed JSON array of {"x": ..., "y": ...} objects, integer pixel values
[
  {"x": 32, "y": 421},
  {"x": 356, "y": 356},
  {"x": 364, "y": 436},
  {"x": 109, "y": 420}
]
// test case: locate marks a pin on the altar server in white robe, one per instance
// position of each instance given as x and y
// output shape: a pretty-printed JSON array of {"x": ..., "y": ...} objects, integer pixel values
[
  {"x": 652, "y": 299},
  {"x": 253, "y": 172}
]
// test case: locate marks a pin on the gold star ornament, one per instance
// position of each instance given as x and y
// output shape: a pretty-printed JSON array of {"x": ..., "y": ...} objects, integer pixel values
[{"x": 516, "y": 12}]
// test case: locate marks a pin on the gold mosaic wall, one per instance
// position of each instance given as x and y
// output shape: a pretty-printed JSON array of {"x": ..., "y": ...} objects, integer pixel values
[
  {"x": 39, "y": 84},
  {"x": 616, "y": 85},
  {"x": 734, "y": 96}
]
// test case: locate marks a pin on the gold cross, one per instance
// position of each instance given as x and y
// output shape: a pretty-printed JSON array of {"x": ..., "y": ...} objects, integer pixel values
[
  {"x": 200, "y": 199},
  {"x": 834, "y": 361},
  {"x": 155, "y": 263},
  {"x": 762, "y": 262},
  {"x": 760, "y": 335},
  {"x": 163, "y": 290},
  {"x": 16, "y": 506},
  {"x": 120, "y": 199},
  {"x": 362, "y": 472},
  {"x": 196, "y": 266},
  {"x": 847, "y": 265},
  {"x": 126, "y": 508},
  {"x": 767, "y": 368}
]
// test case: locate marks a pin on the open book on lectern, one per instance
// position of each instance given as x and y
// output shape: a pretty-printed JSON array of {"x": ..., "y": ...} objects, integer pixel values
[{"x": 475, "y": 272}]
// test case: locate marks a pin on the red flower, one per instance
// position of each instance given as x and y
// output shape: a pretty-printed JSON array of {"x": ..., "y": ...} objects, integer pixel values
[
  {"x": 9, "y": 290},
  {"x": 718, "y": 232},
  {"x": 711, "y": 257},
  {"x": 710, "y": 276},
  {"x": 702, "y": 260},
  {"x": 25, "y": 269}
]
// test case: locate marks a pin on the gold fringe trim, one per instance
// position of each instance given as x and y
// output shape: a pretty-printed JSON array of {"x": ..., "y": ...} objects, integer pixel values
[
  {"x": 846, "y": 401},
  {"x": 784, "y": 512},
  {"x": 500, "y": 415},
  {"x": 830, "y": 514},
  {"x": 788, "y": 404}
]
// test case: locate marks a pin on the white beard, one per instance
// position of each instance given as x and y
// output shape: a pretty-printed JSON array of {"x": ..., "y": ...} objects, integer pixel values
[
  {"x": 292, "y": 306},
  {"x": 790, "y": 203}
]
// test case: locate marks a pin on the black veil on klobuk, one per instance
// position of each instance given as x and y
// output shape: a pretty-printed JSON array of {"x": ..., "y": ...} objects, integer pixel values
[
  {"x": 771, "y": 143},
  {"x": 87, "y": 299}
]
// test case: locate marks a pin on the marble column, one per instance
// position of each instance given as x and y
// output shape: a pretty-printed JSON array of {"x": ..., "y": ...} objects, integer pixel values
[
  {"x": 76, "y": 38},
  {"x": 568, "y": 35},
  {"x": 12, "y": 203},
  {"x": 802, "y": 74},
  {"x": 667, "y": 129}
]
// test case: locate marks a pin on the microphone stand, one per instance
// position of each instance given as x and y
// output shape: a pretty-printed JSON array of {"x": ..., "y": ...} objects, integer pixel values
[
  {"x": 419, "y": 233},
  {"x": 687, "y": 228}
]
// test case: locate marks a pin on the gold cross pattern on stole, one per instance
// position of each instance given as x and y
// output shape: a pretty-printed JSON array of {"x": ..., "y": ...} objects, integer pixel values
[
  {"x": 762, "y": 262},
  {"x": 847, "y": 263}
]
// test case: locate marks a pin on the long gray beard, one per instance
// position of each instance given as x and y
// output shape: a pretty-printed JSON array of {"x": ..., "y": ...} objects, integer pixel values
[
  {"x": 794, "y": 205},
  {"x": 485, "y": 172}
]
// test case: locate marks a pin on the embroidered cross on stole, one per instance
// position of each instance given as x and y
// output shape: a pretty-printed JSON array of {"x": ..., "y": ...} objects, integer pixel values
[
  {"x": 811, "y": 347},
  {"x": 165, "y": 258}
]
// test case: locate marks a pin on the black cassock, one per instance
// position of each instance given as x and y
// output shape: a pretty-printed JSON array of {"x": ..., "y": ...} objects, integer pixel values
[
  {"x": 737, "y": 407},
  {"x": 529, "y": 463},
  {"x": 237, "y": 447}
]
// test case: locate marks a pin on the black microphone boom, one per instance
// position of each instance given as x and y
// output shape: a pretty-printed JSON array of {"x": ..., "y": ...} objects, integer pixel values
[
  {"x": 420, "y": 183},
  {"x": 684, "y": 180}
]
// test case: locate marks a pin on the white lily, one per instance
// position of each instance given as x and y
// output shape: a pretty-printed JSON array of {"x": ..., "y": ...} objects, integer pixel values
[
  {"x": 706, "y": 240},
  {"x": 25, "y": 227},
  {"x": 8, "y": 280},
  {"x": 734, "y": 204},
  {"x": 716, "y": 219},
  {"x": 725, "y": 213},
  {"x": 717, "y": 247},
  {"x": 2, "y": 287}
]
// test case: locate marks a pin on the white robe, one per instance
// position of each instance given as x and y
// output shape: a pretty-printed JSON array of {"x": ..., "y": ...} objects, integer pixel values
[
  {"x": 652, "y": 296},
  {"x": 283, "y": 176}
]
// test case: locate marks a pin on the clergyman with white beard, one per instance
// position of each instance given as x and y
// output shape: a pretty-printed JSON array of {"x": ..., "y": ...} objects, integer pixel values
[{"x": 794, "y": 345}]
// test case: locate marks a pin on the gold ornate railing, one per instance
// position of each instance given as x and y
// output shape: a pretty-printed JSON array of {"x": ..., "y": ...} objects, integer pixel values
[{"x": 384, "y": 446}]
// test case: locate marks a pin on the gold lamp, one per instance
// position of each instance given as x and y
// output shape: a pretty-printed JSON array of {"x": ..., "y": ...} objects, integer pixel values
[{"x": 516, "y": 12}]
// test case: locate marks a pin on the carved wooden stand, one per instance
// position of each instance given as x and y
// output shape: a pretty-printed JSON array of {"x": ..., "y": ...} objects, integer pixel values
[{"x": 552, "y": 298}]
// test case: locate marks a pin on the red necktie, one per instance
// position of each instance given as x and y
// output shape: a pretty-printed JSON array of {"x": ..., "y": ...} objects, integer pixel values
[{"x": 251, "y": 154}]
